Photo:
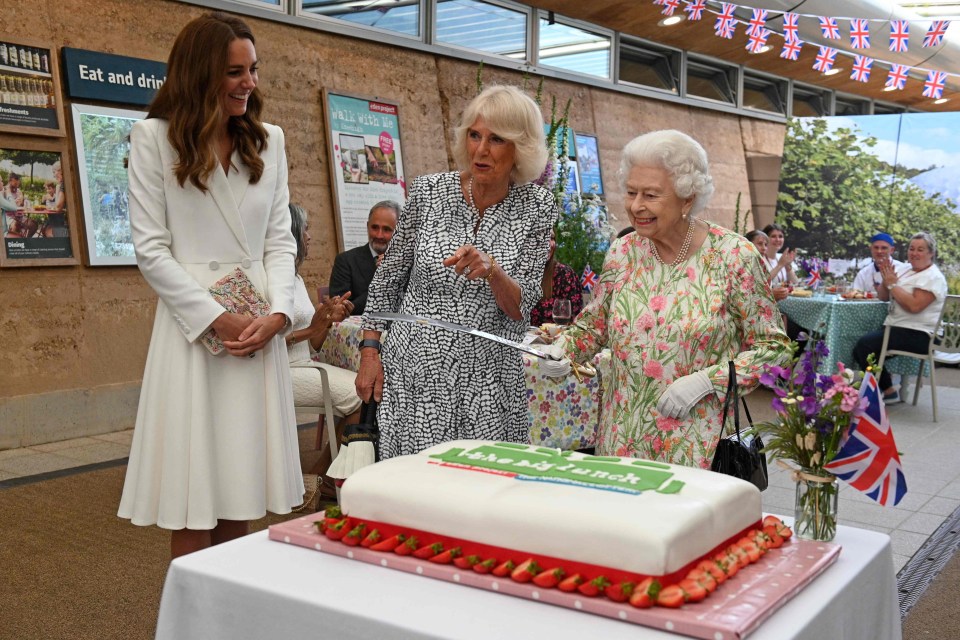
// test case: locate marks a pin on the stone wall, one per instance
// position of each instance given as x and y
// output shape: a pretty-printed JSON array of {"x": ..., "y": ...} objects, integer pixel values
[{"x": 74, "y": 339}]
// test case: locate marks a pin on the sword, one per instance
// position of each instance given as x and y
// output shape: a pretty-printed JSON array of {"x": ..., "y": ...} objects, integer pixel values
[{"x": 459, "y": 328}]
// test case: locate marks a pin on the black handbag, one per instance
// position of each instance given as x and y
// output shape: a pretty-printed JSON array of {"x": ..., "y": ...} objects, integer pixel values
[{"x": 740, "y": 456}]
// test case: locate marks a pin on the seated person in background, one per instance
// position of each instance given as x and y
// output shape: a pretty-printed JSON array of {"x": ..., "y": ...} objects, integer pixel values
[
  {"x": 310, "y": 327},
  {"x": 762, "y": 243},
  {"x": 916, "y": 297},
  {"x": 353, "y": 269},
  {"x": 559, "y": 281},
  {"x": 881, "y": 248},
  {"x": 780, "y": 265},
  {"x": 50, "y": 201},
  {"x": 12, "y": 191}
]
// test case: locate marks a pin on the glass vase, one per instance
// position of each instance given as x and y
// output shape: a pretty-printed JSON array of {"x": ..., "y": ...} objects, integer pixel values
[{"x": 815, "y": 507}]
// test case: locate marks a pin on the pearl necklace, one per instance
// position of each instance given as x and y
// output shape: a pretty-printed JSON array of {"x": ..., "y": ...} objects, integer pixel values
[
  {"x": 473, "y": 205},
  {"x": 682, "y": 255}
]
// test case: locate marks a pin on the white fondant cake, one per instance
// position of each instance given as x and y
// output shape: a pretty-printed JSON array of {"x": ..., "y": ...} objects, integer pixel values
[{"x": 638, "y": 516}]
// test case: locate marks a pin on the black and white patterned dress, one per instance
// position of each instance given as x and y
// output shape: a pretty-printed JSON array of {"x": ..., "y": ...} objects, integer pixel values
[{"x": 441, "y": 385}]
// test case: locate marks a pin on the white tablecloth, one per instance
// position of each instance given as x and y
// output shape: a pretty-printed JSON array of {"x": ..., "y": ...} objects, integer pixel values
[{"x": 258, "y": 588}]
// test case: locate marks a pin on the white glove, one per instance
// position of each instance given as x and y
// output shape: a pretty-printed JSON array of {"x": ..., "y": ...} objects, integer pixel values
[
  {"x": 554, "y": 368},
  {"x": 683, "y": 393}
]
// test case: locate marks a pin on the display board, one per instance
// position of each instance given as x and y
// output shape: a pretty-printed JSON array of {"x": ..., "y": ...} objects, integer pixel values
[
  {"x": 588, "y": 159},
  {"x": 102, "y": 137},
  {"x": 366, "y": 163},
  {"x": 29, "y": 88}
]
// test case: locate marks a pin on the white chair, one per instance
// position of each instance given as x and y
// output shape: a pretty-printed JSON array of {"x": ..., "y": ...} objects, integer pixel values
[
  {"x": 948, "y": 330},
  {"x": 329, "y": 417}
]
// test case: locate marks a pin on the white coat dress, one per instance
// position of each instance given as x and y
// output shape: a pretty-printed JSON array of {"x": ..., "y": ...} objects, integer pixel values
[{"x": 215, "y": 436}]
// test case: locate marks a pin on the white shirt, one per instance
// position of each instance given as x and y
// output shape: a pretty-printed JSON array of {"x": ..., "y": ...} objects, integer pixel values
[
  {"x": 930, "y": 279},
  {"x": 869, "y": 278}
]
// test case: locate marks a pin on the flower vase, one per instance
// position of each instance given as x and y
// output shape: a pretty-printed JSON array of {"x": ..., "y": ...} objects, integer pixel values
[{"x": 815, "y": 507}]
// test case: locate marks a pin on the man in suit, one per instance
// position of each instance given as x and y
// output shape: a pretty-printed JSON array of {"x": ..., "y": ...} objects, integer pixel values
[{"x": 353, "y": 269}]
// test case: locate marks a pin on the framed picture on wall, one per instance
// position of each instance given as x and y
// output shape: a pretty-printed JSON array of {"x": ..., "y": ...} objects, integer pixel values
[
  {"x": 29, "y": 88},
  {"x": 366, "y": 162},
  {"x": 102, "y": 136},
  {"x": 588, "y": 157},
  {"x": 37, "y": 222}
]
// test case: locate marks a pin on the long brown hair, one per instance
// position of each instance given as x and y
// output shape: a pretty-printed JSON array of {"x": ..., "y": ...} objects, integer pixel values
[{"x": 190, "y": 100}]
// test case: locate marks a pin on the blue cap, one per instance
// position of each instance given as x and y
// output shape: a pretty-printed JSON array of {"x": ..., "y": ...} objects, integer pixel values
[{"x": 884, "y": 237}]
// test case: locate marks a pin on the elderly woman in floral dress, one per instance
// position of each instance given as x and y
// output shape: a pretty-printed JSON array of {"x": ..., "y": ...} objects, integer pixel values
[{"x": 676, "y": 300}]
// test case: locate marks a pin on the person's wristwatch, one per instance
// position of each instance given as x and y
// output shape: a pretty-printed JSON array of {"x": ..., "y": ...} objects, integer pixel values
[
  {"x": 370, "y": 343},
  {"x": 891, "y": 286}
]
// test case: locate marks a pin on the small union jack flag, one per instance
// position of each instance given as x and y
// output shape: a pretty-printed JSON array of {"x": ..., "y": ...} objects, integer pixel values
[
  {"x": 899, "y": 36},
  {"x": 860, "y": 33},
  {"x": 726, "y": 30},
  {"x": 658, "y": 2},
  {"x": 933, "y": 87},
  {"x": 935, "y": 33},
  {"x": 813, "y": 280},
  {"x": 725, "y": 16},
  {"x": 791, "y": 30},
  {"x": 830, "y": 29},
  {"x": 861, "y": 68},
  {"x": 695, "y": 10},
  {"x": 791, "y": 49},
  {"x": 757, "y": 41},
  {"x": 669, "y": 6},
  {"x": 589, "y": 279},
  {"x": 757, "y": 22},
  {"x": 897, "y": 78},
  {"x": 868, "y": 460},
  {"x": 825, "y": 59}
]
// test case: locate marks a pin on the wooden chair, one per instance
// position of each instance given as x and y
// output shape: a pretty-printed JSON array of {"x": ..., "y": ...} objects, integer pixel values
[{"x": 948, "y": 332}]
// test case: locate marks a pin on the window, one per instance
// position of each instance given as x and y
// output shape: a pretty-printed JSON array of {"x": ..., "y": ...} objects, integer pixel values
[
  {"x": 574, "y": 49},
  {"x": 400, "y": 16},
  {"x": 764, "y": 94},
  {"x": 880, "y": 108},
  {"x": 482, "y": 26},
  {"x": 650, "y": 67},
  {"x": 808, "y": 103},
  {"x": 850, "y": 107},
  {"x": 711, "y": 81}
]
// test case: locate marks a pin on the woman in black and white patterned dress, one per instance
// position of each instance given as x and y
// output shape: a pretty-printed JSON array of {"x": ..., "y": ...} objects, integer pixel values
[{"x": 470, "y": 248}]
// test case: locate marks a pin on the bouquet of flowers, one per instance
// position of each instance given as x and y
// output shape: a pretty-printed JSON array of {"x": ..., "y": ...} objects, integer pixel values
[{"x": 812, "y": 270}]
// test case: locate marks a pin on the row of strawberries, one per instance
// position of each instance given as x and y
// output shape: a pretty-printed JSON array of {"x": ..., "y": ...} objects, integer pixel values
[{"x": 698, "y": 584}]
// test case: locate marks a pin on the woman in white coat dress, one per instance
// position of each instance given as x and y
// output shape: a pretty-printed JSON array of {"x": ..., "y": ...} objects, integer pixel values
[{"x": 215, "y": 443}]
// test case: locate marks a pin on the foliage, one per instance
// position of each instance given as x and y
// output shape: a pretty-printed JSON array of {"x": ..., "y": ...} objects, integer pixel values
[
  {"x": 583, "y": 232},
  {"x": 835, "y": 193},
  {"x": 740, "y": 220},
  {"x": 106, "y": 143}
]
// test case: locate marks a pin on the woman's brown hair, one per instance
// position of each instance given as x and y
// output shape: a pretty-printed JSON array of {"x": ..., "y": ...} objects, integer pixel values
[{"x": 190, "y": 100}]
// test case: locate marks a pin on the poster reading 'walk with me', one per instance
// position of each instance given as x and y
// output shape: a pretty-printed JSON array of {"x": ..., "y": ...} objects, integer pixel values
[{"x": 366, "y": 163}]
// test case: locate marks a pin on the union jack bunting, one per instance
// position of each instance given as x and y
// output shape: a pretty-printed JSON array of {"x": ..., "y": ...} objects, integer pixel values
[
  {"x": 830, "y": 29},
  {"x": 756, "y": 41},
  {"x": 861, "y": 68},
  {"x": 935, "y": 33},
  {"x": 791, "y": 30},
  {"x": 589, "y": 279},
  {"x": 725, "y": 17},
  {"x": 658, "y": 2},
  {"x": 669, "y": 6},
  {"x": 933, "y": 87},
  {"x": 791, "y": 49},
  {"x": 695, "y": 10},
  {"x": 899, "y": 36},
  {"x": 757, "y": 22},
  {"x": 897, "y": 78},
  {"x": 726, "y": 30},
  {"x": 868, "y": 459},
  {"x": 860, "y": 33},
  {"x": 825, "y": 59}
]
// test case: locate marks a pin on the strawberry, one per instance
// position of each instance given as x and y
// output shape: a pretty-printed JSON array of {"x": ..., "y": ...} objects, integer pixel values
[
  {"x": 446, "y": 557},
  {"x": 784, "y": 531},
  {"x": 570, "y": 583},
  {"x": 333, "y": 511},
  {"x": 693, "y": 591},
  {"x": 776, "y": 540},
  {"x": 486, "y": 566},
  {"x": 525, "y": 571},
  {"x": 353, "y": 538},
  {"x": 428, "y": 551},
  {"x": 705, "y": 578},
  {"x": 620, "y": 592},
  {"x": 550, "y": 578},
  {"x": 671, "y": 596},
  {"x": 503, "y": 569},
  {"x": 389, "y": 544},
  {"x": 751, "y": 548},
  {"x": 338, "y": 530},
  {"x": 714, "y": 568},
  {"x": 409, "y": 546},
  {"x": 372, "y": 538},
  {"x": 594, "y": 587},
  {"x": 645, "y": 594},
  {"x": 772, "y": 521},
  {"x": 466, "y": 562},
  {"x": 321, "y": 525}
]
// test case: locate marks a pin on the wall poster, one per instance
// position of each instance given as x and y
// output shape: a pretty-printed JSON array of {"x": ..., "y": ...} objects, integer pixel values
[
  {"x": 37, "y": 227},
  {"x": 29, "y": 88},
  {"x": 103, "y": 143},
  {"x": 588, "y": 157},
  {"x": 366, "y": 164}
]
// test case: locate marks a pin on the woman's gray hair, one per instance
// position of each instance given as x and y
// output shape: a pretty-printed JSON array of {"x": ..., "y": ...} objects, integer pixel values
[
  {"x": 298, "y": 222},
  {"x": 928, "y": 238},
  {"x": 515, "y": 117},
  {"x": 679, "y": 155}
]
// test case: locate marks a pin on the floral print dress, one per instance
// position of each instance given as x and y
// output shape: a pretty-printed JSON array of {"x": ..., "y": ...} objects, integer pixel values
[
  {"x": 566, "y": 286},
  {"x": 662, "y": 322}
]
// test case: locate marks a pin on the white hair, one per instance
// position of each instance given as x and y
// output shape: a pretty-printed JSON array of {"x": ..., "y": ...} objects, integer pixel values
[{"x": 679, "y": 155}]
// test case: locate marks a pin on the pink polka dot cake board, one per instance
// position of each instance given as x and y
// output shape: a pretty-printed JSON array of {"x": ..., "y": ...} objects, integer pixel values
[{"x": 736, "y": 608}]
